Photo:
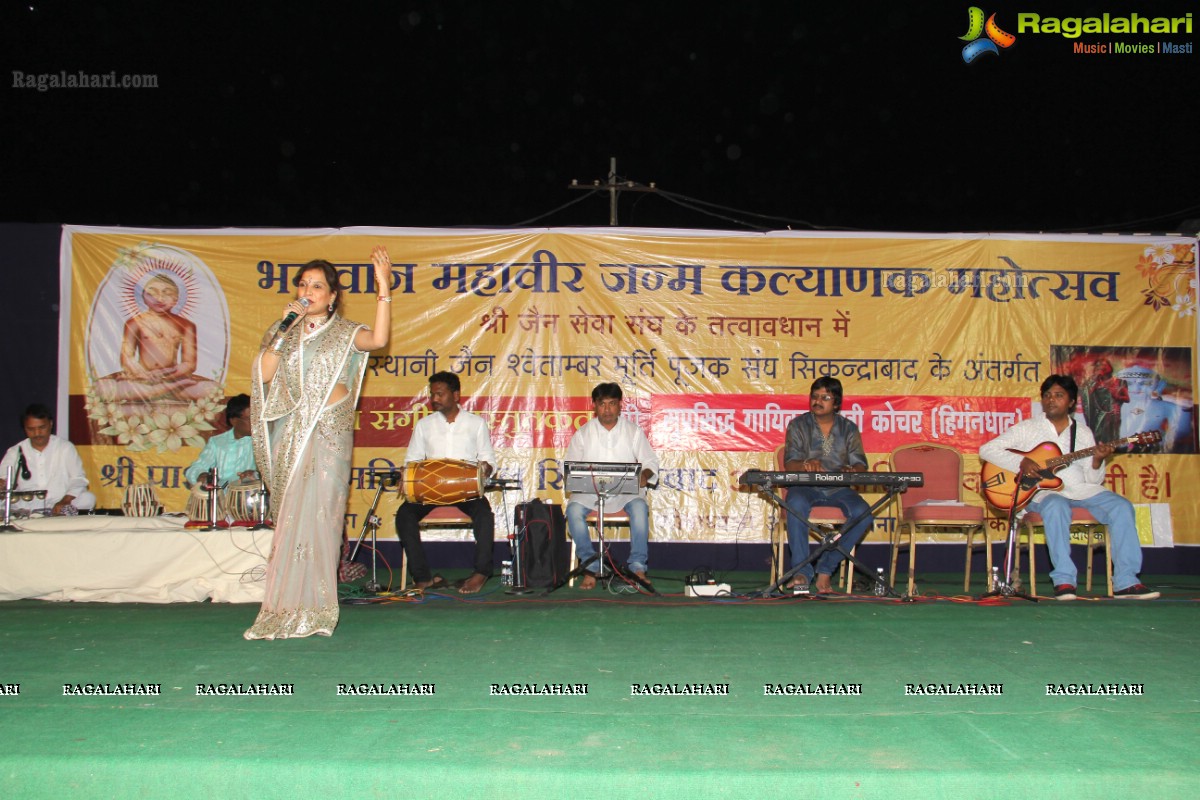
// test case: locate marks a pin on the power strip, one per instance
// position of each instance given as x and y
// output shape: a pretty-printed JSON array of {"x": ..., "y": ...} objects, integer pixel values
[{"x": 706, "y": 589}]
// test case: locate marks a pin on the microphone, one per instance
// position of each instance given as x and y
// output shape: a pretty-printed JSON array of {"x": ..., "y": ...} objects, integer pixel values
[
  {"x": 290, "y": 317},
  {"x": 23, "y": 467}
]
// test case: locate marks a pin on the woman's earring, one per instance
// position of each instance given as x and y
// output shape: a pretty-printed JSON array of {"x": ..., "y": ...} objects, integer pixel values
[{"x": 331, "y": 308}]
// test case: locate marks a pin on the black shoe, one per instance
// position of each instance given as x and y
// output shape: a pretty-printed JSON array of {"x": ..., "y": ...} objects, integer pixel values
[
  {"x": 1065, "y": 591},
  {"x": 1139, "y": 591}
]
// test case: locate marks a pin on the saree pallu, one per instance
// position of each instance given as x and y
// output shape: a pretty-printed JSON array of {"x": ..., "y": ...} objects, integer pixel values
[{"x": 303, "y": 449}]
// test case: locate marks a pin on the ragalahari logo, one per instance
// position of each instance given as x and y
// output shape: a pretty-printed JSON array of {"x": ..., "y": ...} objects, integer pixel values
[{"x": 976, "y": 28}]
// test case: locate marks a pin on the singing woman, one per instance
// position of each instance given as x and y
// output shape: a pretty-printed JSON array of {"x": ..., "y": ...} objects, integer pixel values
[{"x": 306, "y": 384}]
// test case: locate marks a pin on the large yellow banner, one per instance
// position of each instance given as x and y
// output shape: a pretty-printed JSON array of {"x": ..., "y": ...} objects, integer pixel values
[{"x": 715, "y": 338}]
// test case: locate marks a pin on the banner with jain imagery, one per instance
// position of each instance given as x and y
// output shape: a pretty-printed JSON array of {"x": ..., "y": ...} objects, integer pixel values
[{"x": 715, "y": 338}]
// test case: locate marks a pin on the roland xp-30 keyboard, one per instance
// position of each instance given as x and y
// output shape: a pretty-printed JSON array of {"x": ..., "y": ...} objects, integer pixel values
[{"x": 758, "y": 477}]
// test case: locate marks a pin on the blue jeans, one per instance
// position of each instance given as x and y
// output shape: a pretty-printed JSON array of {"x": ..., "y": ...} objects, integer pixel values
[
  {"x": 1108, "y": 507},
  {"x": 639, "y": 533},
  {"x": 801, "y": 499}
]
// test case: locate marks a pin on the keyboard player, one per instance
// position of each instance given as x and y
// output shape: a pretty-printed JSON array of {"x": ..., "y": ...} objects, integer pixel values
[
  {"x": 823, "y": 441},
  {"x": 607, "y": 437}
]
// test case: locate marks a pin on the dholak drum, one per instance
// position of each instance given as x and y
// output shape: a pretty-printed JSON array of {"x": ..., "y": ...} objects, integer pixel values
[{"x": 441, "y": 481}]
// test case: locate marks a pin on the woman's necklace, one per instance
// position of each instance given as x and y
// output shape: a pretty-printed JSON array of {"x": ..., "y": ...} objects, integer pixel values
[{"x": 312, "y": 323}]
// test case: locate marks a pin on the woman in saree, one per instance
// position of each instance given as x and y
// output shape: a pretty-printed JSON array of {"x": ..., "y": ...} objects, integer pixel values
[{"x": 306, "y": 384}]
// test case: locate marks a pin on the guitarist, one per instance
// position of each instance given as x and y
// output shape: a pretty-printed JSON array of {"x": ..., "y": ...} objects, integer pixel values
[{"x": 1083, "y": 487}]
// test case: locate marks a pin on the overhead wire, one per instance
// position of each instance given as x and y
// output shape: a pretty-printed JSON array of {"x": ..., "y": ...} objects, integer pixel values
[
  {"x": 566, "y": 205},
  {"x": 714, "y": 210}
]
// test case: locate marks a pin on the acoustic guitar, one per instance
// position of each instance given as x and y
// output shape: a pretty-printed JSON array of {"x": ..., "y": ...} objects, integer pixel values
[{"x": 1004, "y": 489}]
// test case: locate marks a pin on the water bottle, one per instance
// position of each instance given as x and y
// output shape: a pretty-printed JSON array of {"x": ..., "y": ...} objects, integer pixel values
[
  {"x": 880, "y": 587},
  {"x": 506, "y": 573}
]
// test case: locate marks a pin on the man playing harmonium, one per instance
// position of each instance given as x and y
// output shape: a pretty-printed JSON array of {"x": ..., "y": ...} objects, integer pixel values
[
  {"x": 823, "y": 441},
  {"x": 607, "y": 437},
  {"x": 44, "y": 462},
  {"x": 449, "y": 433}
]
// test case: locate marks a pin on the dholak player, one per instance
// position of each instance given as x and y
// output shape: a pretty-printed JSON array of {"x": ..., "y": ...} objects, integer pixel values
[{"x": 455, "y": 434}]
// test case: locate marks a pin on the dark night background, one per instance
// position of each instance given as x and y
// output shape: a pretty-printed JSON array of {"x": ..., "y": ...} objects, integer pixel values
[{"x": 427, "y": 113}]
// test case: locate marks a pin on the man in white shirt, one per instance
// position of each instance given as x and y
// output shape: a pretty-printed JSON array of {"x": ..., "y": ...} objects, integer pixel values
[
  {"x": 450, "y": 432},
  {"x": 1083, "y": 487},
  {"x": 44, "y": 461},
  {"x": 608, "y": 437}
]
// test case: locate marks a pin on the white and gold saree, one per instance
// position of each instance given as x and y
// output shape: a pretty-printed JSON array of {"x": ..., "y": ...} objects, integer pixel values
[{"x": 303, "y": 446}]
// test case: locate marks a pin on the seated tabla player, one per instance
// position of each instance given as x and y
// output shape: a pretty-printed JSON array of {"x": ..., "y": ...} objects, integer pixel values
[{"x": 231, "y": 453}]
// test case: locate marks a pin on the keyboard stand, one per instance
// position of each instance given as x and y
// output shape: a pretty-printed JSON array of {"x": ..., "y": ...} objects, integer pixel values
[
  {"x": 831, "y": 540},
  {"x": 611, "y": 481}
]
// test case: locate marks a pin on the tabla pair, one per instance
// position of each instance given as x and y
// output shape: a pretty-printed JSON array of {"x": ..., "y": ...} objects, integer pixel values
[{"x": 238, "y": 501}]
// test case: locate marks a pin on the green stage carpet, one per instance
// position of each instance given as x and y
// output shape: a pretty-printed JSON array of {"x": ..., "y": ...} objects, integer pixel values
[{"x": 932, "y": 699}]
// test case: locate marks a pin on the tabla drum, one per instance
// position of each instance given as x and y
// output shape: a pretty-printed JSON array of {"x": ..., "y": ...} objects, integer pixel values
[
  {"x": 242, "y": 499},
  {"x": 197, "y": 505},
  {"x": 141, "y": 501},
  {"x": 441, "y": 481}
]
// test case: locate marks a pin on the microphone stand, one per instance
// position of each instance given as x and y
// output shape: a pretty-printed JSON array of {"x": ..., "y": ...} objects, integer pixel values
[
  {"x": 606, "y": 572},
  {"x": 214, "y": 489},
  {"x": 8, "y": 527},
  {"x": 1003, "y": 586},
  {"x": 9, "y": 491},
  {"x": 372, "y": 523}
]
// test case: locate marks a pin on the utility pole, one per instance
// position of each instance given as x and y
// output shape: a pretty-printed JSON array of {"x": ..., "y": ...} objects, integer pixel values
[{"x": 614, "y": 188}]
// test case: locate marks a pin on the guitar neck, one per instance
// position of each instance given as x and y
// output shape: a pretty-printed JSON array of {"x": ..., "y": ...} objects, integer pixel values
[{"x": 1063, "y": 460}]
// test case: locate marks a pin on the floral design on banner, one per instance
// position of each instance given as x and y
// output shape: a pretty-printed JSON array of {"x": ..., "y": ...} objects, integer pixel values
[{"x": 1170, "y": 271}]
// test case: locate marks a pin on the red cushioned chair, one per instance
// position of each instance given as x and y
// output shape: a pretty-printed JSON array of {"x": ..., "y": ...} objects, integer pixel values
[{"x": 937, "y": 507}]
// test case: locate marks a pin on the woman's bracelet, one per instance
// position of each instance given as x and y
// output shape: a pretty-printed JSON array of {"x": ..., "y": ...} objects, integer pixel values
[
  {"x": 384, "y": 298},
  {"x": 277, "y": 344}
]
